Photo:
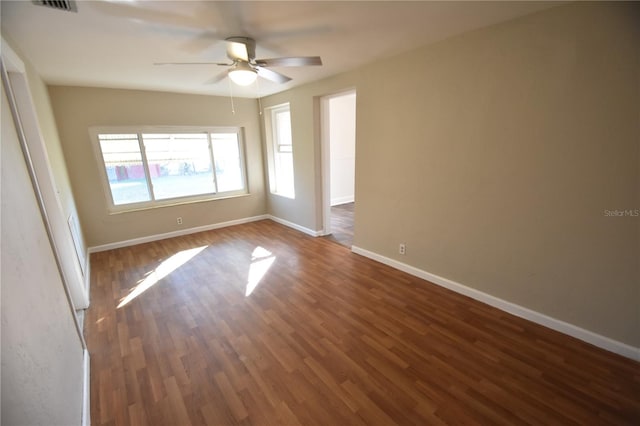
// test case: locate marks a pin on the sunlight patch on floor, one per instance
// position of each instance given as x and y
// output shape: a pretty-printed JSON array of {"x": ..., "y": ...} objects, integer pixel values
[
  {"x": 261, "y": 261},
  {"x": 164, "y": 269}
]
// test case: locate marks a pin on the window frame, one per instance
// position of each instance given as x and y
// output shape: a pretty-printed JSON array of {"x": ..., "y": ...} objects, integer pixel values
[
  {"x": 274, "y": 149},
  {"x": 113, "y": 208}
]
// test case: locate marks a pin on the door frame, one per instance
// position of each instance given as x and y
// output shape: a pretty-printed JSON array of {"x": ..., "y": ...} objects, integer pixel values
[
  {"x": 27, "y": 124},
  {"x": 325, "y": 155}
]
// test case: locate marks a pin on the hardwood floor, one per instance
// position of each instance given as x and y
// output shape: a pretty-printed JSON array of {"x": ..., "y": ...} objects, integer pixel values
[
  {"x": 326, "y": 337},
  {"x": 342, "y": 224}
]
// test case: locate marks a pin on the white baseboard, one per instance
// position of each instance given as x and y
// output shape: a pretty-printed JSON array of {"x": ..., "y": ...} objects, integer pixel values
[
  {"x": 295, "y": 226},
  {"x": 172, "y": 234},
  {"x": 86, "y": 389},
  {"x": 512, "y": 308},
  {"x": 342, "y": 200}
]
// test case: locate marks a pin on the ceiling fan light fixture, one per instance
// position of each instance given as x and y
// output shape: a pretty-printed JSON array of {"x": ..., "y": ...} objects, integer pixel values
[{"x": 242, "y": 74}]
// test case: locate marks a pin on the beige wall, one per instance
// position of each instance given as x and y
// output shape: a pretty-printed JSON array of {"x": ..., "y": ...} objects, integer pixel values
[
  {"x": 306, "y": 209},
  {"x": 76, "y": 109},
  {"x": 494, "y": 155}
]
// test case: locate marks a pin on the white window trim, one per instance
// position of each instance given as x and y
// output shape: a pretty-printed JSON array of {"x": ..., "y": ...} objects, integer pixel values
[
  {"x": 272, "y": 151},
  {"x": 153, "y": 204}
]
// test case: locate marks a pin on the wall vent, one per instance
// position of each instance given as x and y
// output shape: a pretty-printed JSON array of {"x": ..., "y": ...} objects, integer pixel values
[{"x": 67, "y": 5}]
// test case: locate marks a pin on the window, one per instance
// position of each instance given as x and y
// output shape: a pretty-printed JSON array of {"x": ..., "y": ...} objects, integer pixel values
[
  {"x": 280, "y": 150},
  {"x": 151, "y": 167}
]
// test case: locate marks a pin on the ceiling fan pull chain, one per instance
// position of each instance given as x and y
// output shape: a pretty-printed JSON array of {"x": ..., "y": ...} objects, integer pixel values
[
  {"x": 233, "y": 109},
  {"x": 259, "y": 98}
]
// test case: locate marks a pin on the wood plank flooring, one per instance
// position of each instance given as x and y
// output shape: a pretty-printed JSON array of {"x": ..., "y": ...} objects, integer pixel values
[
  {"x": 342, "y": 224},
  {"x": 325, "y": 337}
]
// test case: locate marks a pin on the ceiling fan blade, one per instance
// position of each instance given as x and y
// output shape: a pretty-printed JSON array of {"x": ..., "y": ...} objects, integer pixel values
[
  {"x": 201, "y": 41},
  {"x": 217, "y": 78},
  {"x": 236, "y": 50},
  {"x": 230, "y": 15},
  {"x": 272, "y": 75},
  {"x": 299, "y": 61},
  {"x": 193, "y": 63},
  {"x": 147, "y": 14}
]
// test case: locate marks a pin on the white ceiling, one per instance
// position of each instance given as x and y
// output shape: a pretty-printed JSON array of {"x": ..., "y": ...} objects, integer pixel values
[{"x": 115, "y": 43}]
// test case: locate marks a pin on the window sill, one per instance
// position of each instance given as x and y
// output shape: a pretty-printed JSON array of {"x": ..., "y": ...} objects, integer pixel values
[
  {"x": 288, "y": 197},
  {"x": 175, "y": 203}
]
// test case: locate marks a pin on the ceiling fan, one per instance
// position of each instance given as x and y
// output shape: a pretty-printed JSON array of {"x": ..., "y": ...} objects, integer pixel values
[{"x": 245, "y": 68}]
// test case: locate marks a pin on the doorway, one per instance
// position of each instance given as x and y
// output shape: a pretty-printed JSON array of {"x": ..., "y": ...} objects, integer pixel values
[{"x": 338, "y": 118}]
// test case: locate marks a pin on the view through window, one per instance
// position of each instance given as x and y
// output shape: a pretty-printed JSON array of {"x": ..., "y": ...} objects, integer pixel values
[
  {"x": 280, "y": 150},
  {"x": 149, "y": 168}
]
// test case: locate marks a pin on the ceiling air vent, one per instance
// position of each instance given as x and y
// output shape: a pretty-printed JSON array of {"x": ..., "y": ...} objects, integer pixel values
[{"x": 68, "y": 5}]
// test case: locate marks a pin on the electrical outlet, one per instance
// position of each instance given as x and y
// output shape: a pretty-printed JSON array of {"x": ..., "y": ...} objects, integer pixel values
[
  {"x": 402, "y": 248},
  {"x": 179, "y": 220}
]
